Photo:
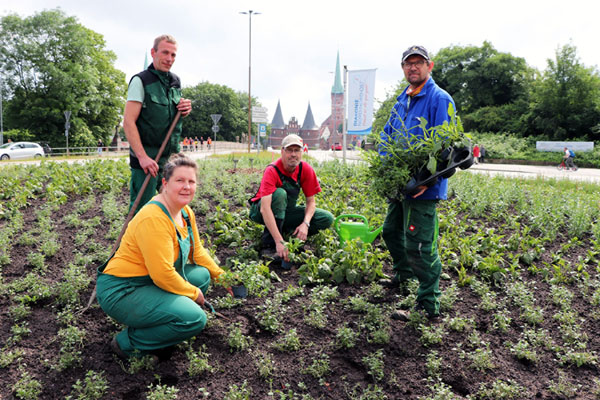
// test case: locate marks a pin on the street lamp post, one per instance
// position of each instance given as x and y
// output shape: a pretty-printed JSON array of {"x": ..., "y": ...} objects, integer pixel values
[
  {"x": 1, "y": 116},
  {"x": 249, "y": 13}
]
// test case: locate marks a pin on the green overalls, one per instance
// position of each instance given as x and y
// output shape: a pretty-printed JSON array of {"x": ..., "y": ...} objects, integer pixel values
[
  {"x": 154, "y": 318},
  {"x": 411, "y": 233},
  {"x": 283, "y": 205},
  {"x": 162, "y": 93}
]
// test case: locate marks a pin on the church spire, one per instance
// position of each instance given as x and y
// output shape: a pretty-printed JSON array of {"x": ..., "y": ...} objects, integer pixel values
[
  {"x": 309, "y": 120},
  {"x": 277, "y": 122},
  {"x": 337, "y": 82}
]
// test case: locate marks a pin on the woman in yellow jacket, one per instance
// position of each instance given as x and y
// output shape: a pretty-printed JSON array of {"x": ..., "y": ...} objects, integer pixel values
[{"x": 155, "y": 282}]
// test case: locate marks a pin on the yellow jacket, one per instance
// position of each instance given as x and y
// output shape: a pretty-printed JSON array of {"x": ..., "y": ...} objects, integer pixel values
[{"x": 149, "y": 247}]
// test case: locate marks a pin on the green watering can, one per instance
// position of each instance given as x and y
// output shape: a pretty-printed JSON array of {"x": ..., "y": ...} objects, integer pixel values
[{"x": 348, "y": 230}]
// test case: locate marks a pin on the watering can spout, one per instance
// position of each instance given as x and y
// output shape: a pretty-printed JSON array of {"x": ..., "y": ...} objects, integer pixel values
[
  {"x": 352, "y": 226},
  {"x": 373, "y": 234}
]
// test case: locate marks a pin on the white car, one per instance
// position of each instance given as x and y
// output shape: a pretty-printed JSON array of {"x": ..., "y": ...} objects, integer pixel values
[{"x": 19, "y": 150}]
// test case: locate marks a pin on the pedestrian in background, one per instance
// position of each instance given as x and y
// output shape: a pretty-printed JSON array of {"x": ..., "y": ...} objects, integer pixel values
[{"x": 476, "y": 154}]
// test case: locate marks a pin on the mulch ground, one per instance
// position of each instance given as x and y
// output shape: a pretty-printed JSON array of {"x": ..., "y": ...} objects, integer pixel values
[{"x": 405, "y": 357}]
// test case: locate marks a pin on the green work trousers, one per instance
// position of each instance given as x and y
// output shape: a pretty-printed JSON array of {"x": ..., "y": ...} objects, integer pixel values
[
  {"x": 291, "y": 214},
  {"x": 135, "y": 184},
  {"x": 154, "y": 318},
  {"x": 410, "y": 232}
]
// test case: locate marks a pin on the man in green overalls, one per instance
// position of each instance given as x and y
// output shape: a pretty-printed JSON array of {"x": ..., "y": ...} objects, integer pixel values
[
  {"x": 411, "y": 230},
  {"x": 274, "y": 205},
  {"x": 153, "y": 99}
]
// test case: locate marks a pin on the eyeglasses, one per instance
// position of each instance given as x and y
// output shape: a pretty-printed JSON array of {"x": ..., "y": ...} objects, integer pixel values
[{"x": 409, "y": 65}]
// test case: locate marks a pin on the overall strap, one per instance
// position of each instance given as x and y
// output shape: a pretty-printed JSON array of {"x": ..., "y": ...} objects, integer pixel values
[
  {"x": 282, "y": 176},
  {"x": 185, "y": 217}
]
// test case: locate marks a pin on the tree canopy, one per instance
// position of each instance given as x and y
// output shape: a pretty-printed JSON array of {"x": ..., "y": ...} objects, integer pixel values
[
  {"x": 566, "y": 98},
  {"x": 52, "y": 64},
  {"x": 209, "y": 98},
  {"x": 485, "y": 84},
  {"x": 498, "y": 92}
]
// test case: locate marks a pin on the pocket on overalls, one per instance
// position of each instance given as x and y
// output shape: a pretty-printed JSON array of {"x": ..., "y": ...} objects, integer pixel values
[{"x": 421, "y": 224}]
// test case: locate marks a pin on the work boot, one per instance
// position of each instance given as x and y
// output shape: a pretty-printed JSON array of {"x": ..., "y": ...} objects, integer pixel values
[
  {"x": 114, "y": 346},
  {"x": 267, "y": 244},
  {"x": 401, "y": 315},
  {"x": 390, "y": 283},
  {"x": 268, "y": 253},
  {"x": 404, "y": 315},
  {"x": 396, "y": 283}
]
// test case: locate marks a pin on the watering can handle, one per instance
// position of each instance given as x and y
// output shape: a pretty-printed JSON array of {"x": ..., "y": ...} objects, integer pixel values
[{"x": 356, "y": 216}]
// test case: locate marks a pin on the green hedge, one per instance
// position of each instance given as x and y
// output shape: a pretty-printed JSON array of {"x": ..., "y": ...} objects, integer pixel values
[{"x": 506, "y": 147}]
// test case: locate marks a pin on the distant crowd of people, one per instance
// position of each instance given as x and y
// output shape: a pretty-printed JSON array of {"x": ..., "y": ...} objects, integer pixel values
[{"x": 195, "y": 144}]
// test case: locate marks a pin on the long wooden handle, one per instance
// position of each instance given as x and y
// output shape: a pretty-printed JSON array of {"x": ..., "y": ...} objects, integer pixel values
[
  {"x": 136, "y": 202},
  {"x": 145, "y": 184}
]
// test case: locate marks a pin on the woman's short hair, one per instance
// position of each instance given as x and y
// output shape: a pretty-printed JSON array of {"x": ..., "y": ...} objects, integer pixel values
[{"x": 175, "y": 161}]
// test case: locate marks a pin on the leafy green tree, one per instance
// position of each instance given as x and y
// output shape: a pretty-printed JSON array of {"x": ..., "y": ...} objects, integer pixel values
[
  {"x": 385, "y": 107},
  {"x": 490, "y": 89},
  {"x": 18, "y": 135},
  {"x": 209, "y": 98},
  {"x": 566, "y": 99},
  {"x": 50, "y": 64}
]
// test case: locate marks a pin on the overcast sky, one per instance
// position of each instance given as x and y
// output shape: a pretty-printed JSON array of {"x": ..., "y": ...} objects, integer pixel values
[{"x": 294, "y": 43}]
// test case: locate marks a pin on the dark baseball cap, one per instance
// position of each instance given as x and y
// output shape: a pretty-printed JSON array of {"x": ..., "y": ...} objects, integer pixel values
[{"x": 415, "y": 50}]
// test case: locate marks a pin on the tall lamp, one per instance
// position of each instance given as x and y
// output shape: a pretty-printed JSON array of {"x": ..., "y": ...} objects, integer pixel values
[{"x": 249, "y": 13}]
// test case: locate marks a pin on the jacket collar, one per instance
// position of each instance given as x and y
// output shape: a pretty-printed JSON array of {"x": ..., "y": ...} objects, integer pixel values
[
  {"x": 423, "y": 91},
  {"x": 165, "y": 77}
]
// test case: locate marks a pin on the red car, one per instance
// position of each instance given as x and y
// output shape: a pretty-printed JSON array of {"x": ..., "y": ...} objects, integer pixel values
[{"x": 336, "y": 147}]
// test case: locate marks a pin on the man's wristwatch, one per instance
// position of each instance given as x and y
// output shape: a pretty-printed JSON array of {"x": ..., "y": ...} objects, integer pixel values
[{"x": 307, "y": 224}]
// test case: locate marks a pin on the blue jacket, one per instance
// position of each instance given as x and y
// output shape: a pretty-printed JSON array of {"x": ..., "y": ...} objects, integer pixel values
[{"x": 432, "y": 104}]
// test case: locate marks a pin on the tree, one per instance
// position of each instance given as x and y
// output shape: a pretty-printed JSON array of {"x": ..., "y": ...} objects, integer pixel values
[
  {"x": 385, "y": 107},
  {"x": 53, "y": 64},
  {"x": 566, "y": 99},
  {"x": 488, "y": 87},
  {"x": 208, "y": 98}
]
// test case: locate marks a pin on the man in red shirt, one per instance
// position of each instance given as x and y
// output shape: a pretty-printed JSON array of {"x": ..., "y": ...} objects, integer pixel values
[{"x": 274, "y": 205}]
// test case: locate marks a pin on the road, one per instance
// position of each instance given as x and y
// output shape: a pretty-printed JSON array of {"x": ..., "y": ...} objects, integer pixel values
[
  {"x": 511, "y": 170},
  {"x": 352, "y": 156}
]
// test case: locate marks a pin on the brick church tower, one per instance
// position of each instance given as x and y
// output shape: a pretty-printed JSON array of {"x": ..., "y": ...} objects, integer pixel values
[
  {"x": 335, "y": 121},
  {"x": 313, "y": 135}
]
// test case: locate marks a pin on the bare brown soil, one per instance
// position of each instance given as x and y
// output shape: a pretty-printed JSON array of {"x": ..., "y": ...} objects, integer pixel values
[{"x": 405, "y": 357}]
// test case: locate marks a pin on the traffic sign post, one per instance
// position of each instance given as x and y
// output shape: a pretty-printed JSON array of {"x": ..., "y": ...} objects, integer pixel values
[
  {"x": 259, "y": 115},
  {"x": 215, "y": 129},
  {"x": 67, "y": 126},
  {"x": 262, "y": 133}
]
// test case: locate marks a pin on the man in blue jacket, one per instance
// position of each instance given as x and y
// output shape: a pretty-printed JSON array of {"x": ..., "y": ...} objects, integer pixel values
[{"x": 411, "y": 228}]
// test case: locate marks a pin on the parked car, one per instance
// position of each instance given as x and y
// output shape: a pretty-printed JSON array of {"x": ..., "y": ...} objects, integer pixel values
[
  {"x": 336, "y": 146},
  {"x": 19, "y": 150}
]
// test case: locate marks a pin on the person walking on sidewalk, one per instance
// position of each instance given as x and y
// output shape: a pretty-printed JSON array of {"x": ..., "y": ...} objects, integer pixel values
[
  {"x": 274, "y": 205},
  {"x": 476, "y": 154}
]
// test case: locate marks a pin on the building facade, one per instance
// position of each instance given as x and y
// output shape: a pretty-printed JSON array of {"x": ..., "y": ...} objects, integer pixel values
[{"x": 315, "y": 136}]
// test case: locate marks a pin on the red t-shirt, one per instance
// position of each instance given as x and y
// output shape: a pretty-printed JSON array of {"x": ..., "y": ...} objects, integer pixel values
[{"x": 271, "y": 181}]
